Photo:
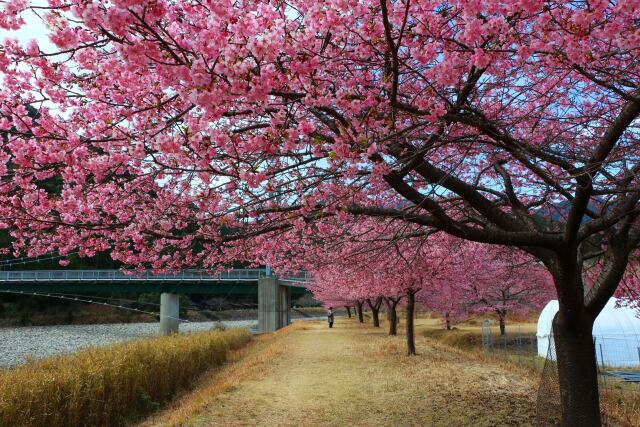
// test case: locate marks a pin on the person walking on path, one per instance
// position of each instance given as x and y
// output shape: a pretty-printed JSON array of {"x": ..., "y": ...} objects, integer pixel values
[{"x": 330, "y": 317}]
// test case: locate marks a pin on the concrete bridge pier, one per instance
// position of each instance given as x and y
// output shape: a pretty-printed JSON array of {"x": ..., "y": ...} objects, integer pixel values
[
  {"x": 169, "y": 313},
  {"x": 274, "y": 302}
]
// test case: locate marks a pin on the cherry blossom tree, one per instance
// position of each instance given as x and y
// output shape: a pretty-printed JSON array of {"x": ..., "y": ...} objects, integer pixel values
[
  {"x": 368, "y": 264},
  {"x": 501, "y": 281},
  {"x": 182, "y": 130},
  {"x": 482, "y": 278},
  {"x": 445, "y": 298},
  {"x": 358, "y": 273}
]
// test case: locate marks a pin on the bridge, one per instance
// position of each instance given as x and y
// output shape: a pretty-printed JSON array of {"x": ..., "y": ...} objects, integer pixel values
[{"x": 274, "y": 293}]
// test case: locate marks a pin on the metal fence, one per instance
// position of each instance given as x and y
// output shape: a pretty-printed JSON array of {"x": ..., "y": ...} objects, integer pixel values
[{"x": 516, "y": 345}]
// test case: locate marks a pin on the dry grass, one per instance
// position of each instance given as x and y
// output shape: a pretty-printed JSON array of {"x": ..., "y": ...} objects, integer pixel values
[
  {"x": 113, "y": 385},
  {"x": 475, "y": 325},
  {"x": 355, "y": 375},
  {"x": 455, "y": 338},
  {"x": 619, "y": 407},
  {"x": 247, "y": 362}
]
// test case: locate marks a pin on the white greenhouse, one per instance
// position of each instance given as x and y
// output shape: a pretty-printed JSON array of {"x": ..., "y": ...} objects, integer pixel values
[{"x": 616, "y": 333}]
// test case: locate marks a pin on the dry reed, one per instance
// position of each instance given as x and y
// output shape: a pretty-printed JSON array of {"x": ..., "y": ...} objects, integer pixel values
[{"x": 113, "y": 385}]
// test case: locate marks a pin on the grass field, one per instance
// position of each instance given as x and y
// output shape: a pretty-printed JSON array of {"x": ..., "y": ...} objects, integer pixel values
[
  {"x": 309, "y": 375},
  {"x": 112, "y": 385}
]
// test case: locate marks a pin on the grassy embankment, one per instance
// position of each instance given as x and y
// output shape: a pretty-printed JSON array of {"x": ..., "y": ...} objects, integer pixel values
[
  {"x": 113, "y": 385},
  {"x": 42, "y": 311},
  {"x": 251, "y": 313},
  {"x": 468, "y": 336}
]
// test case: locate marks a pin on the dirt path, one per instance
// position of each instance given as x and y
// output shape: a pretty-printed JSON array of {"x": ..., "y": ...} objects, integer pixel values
[{"x": 356, "y": 376}]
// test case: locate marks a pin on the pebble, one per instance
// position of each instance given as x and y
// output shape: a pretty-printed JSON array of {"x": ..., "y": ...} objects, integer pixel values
[{"x": 17, "y": 344}]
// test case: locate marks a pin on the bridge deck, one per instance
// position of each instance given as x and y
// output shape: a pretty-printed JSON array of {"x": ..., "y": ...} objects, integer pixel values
[{"x": 237, "y": 282}]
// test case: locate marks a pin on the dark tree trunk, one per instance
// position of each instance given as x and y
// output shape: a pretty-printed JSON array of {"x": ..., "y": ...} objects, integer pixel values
[
  {"x": 387, "y": 302},
  {"x": 393, "y": 316},
  {"x": 447, "y": 320},
  {"x": 393, "y": 323},
  {"x": 359, "y": 310},
  {"x": 502, "y": 315},
  {"x": 411, "y": 305},
  {"x": 573, "y": 339},
  {"x": 375, "y": 311},
  {"x": 577, "y": 372},
  {"x": 376, "y": 319},
  {"x": 348, "y": 311}
]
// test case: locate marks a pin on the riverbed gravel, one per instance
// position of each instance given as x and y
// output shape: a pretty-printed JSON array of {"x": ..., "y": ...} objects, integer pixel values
[{"x": 17, "y": 344}]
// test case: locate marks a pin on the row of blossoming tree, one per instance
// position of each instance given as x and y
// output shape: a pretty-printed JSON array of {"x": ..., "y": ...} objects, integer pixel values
[
  {"x": 444, "y": 275},
  {"x": 177, "y": 131}
]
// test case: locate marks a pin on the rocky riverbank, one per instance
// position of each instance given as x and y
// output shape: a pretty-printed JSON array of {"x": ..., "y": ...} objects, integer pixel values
[{"x": 17, "y": 344}]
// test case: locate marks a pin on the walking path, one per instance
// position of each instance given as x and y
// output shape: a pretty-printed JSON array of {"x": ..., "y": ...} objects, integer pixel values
[{"x": 353, "y": 375}]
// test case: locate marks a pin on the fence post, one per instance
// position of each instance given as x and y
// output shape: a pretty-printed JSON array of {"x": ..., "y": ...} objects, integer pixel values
[
  {"x": 604, "y": 377},
  {"x": 519, "y": 345},
  {"x": 486, "y": 335},
  {"x": 533, "y": 350}
]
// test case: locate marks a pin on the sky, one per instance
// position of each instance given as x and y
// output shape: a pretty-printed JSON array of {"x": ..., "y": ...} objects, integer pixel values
[{"x": 34, "y": 29}]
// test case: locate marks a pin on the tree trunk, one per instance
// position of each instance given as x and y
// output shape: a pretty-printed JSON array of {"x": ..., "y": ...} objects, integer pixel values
[
  {"x": 375, "y": 311},
  {"x": 359, "y": 310},
  {"x": 573, "y": 341},
  {"x": 387, "y": 302},
  {"x": 348, "y": 311},
  {"x": 447, "y": 320},
  {"x": 393, "y": 318},
  {"x": 376, "y": 319},
  {"x": 411, "y": 305},
  {"x": 577, "y": 372},
  {"x": 503, "y": 324}
]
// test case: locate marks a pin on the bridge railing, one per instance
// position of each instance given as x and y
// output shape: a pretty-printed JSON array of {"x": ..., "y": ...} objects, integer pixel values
[{"x": 119, "y": 275}]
